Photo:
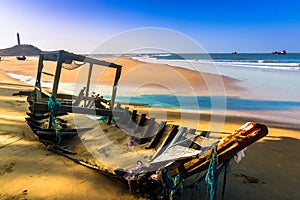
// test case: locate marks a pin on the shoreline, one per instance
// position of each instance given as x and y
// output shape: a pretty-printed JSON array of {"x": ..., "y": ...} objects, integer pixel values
[
  {"x": 257, "y": 111},
  {"x": 173, "y": 113}
]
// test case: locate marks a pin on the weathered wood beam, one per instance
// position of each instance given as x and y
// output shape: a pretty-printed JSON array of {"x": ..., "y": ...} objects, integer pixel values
[
  {"x": 157, "y": 136},
  {"x": 43, "y": 107},
  {"x": 88, "y": 83},
  {"x": 39, "y": 71},
  {"x": 69, "y": 57},
  {"x": 195, "y": 164},
  {"x": 60, "y": 59},
  {"x": 47, "y": 73}
]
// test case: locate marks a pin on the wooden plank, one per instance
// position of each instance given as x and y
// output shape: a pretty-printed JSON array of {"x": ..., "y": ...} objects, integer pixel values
[
  {"x": 44, "y": 92},
  {"x": 157, "y": 136},
  {"x": 52, "y": 133},
  {"x": 60, "y": 59},
  {"x": 195, "y": 164},
  {"x": 139, "y": 127},
  {"x": 39, "y": 71},
  {"x": 179, "y": 136},
  {"x": 43, "y": 107},
  {"x": 172, "y": 134},
  {"x": 37, "y": 93},
  {"x": 23, "y": 93},
  {"x": 80, "y": 97},
  {"x": 33, "y": 126},
  {"x": 114, "y": 90},
  {"x": 65, "y": 130},
  {"x": 147, "y": 134},
  {"x": 37, "y": 122},
  {"x": 187, "y": 133},
  {"x": 142, "y": 120},
  {"x": 192, "y": 131},
  {"x": 205, "y": 134},
  {"x": 125, "y": 117},
  {"x": 69, "y": 57},
  {"x": 167, "y": 141},
  {"x": 132, "y": 122},
  {"x": 88, "y": 83},
  {"x": 90, "y": 103},
  {"x": 38, "y": 116},
  {"x": 65, "y": 96},
  {"x": 49, "y": 74},
  {"x": 100, "y": 102},
  {"x": 134, "y": 115}
]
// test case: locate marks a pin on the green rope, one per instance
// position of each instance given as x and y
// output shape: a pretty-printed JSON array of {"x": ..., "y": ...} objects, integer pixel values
[
  {"x": 105, "y": 118},
  {"x": 196, "y": 186},
  {"x": 211, "y": 178},
  {"x": 53, "y": 108},
  {"x": 174, "y": 185}
]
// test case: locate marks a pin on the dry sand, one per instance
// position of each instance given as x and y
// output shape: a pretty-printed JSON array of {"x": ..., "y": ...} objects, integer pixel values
[{"x": 271, "y": 169}]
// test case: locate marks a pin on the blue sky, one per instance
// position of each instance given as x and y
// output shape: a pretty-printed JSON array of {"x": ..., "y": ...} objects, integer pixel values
[{"x": 219, "y": 26}]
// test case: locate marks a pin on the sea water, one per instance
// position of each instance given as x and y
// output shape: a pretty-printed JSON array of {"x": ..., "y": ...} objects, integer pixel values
[
  {"x": 271, "y": 85},
  {"x": 265, "y": 76}
]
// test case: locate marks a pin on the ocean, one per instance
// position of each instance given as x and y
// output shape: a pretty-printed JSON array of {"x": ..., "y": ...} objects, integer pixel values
[
  {"x": 271, "y": 85},
  {"x": 264, "y": 76},
  {"x": 289, "y": 61}
]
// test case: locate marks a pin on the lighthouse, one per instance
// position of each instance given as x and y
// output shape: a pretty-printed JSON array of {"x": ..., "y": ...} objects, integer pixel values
[
  {"x": 21, "y": 50},
  {"x": 18, "y": 37}
]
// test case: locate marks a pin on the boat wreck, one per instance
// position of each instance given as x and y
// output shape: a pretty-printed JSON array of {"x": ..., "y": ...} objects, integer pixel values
[{"x": 165, "y": 159}]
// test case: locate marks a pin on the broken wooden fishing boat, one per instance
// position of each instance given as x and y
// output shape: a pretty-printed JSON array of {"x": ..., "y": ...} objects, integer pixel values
[{"x": 165, "y": 159}]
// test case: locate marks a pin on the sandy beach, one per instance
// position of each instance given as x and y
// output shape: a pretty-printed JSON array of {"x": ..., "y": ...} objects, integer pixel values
[{"x": 270, "y": 170}]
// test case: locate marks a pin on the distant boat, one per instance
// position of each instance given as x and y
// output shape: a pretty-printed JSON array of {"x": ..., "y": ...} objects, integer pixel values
[
  {"x": 21, "y": 57},
  {"x": 279, "y": 52},
  {"x": 234, "y": 52}
]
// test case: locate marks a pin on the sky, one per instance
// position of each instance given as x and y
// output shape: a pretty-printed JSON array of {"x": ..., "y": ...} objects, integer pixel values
[{"x": 217, "y": 26}]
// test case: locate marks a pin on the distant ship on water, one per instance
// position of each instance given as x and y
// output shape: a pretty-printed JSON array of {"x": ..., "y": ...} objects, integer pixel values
[{"x": 279, "y": 52}]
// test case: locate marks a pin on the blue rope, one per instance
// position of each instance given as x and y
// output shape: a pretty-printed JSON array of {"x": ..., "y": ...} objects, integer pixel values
[
  {"x": 105, "y": 118},
  {"x": 53, "y": 108},
  {"x": 175, "y": 185},
  {"x": 211, "y": 178},
  {"x": 196, "y": 185}
]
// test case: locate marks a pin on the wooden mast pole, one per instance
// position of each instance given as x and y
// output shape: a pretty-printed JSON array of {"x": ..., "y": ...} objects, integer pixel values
[
  {"x": 114, "y": 90},
  {"x": 88, "y": 82},
  {"x": 57, "y": 74}
]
